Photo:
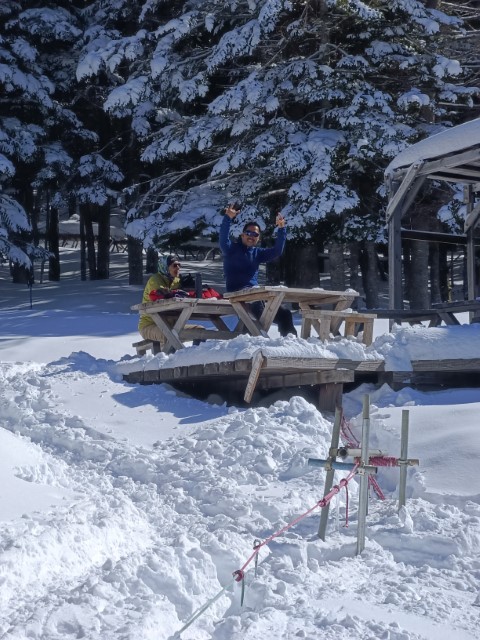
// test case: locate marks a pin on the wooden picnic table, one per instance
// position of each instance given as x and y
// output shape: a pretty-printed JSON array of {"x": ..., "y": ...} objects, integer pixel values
[
  {"x": 172, "y": 315},
  {"x": 273, "y": 296}
]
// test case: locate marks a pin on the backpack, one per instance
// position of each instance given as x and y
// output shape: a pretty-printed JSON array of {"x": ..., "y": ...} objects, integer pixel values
[
  {"x": 167, "y": 294},
  {"x": 207, "y": 292}
]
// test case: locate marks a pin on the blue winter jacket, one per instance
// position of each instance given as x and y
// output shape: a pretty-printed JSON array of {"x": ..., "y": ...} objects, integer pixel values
[{"x": 241, "y": 263}]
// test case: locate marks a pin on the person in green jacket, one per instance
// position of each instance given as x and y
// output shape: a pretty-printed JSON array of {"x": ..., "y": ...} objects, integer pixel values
[{"x": 167, "y": 278}]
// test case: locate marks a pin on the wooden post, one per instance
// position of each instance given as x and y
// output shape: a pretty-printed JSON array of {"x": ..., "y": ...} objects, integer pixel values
[
  {"x": 403, "y": 462},
  {"x": 363, "y": 493},
  {"x": 329, "y": 476},
  {"x": 257, "y": 363},
  {"x": 330, "y": 396}
]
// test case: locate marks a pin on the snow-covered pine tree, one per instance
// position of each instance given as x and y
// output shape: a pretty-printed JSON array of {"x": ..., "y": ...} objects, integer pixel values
[
  {"x": 33, "y": 121},
  {"x": 52, "y": 138},
  {"x": 298, "y": 105}
]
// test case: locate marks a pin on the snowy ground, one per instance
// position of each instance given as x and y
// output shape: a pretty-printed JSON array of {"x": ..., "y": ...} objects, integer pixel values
[{"x": 124, "y": 509}]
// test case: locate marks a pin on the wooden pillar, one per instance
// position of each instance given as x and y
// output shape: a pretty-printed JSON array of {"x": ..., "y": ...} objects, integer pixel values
[
  {"x": 330, "y": 396},
  {"x": 471, "y": 267}
]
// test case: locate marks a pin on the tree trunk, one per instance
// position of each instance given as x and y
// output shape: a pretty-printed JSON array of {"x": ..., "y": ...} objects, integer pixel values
[
  {"x": 417, "y": 292},
  {"x": 336, "y": 266},
  {"x": 20, "y": 273},
  {"x": 86, "y": 213},
  {"x": 301, "y": 266},
  {"x": 103, "y": 259},
  {"x": 151, "y": 261},
  {"x": 83, "y": 250},
  {"x": 355, "y": 275},
  {"x": 135, "y": 260},
  {"x": 53, "y": 240},
  {"x": 369, "y": 265},
  {"x": 434, "y": 260}
]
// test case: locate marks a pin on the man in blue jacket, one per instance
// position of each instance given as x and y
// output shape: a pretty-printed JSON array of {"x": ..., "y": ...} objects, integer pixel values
[{"x": 242, "y": 259}]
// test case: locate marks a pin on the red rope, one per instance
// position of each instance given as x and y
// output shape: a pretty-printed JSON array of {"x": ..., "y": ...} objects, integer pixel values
[
  {"x": 346, "y": 506},
  {"x": 383, "y": 461},
  {"x": 352, "y": 442},
  {"x": 240, "y": 573}
]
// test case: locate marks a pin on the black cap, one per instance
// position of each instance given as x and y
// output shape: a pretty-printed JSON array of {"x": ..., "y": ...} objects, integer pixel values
[{"x": 172, "y": 258}]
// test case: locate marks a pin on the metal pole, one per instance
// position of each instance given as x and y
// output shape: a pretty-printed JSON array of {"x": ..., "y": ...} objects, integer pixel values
[
  {"x": 403, "y": 462},
  {"x": 363, "y": 493},
  {"x": 322, "y": 529},
  {"x": 339, "y": 466}
]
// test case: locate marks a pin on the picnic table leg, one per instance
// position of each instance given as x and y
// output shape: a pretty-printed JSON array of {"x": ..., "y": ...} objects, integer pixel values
[
  {"x": 306, "y": 328},
  {"x": 272, "y": 305},
  {"x": 368, "y": 332},
  {"x": 172, "y": 341},
  {"x": 324, "y": 327},
  {"x": 341, "y": 305},
  {"x": 220, "y": 324},
  {"x": 251, "y": 323}
]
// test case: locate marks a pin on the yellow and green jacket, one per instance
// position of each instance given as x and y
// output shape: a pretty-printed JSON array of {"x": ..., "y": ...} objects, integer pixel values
[{"x": 157, "y": 281}]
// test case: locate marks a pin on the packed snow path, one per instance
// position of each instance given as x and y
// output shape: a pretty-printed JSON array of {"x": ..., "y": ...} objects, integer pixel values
[{"x": 138, "y": 536}]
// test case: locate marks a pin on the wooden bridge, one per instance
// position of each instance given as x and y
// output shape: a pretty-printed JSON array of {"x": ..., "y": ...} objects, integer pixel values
[{"x": 238, "y": 380}]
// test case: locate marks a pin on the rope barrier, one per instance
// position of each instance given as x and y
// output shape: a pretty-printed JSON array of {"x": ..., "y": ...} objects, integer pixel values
[
  {"x": 321, "y": 503},
  {"x": 239, "y": 574},
  {"x": 383, "y": 461},
  {"x": 352, "y": 441}
]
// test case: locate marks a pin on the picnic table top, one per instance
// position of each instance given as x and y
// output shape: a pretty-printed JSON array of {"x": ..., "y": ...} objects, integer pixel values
[
  {"x": 292, "y": 294},
  {"x": 204, "y": 305}
]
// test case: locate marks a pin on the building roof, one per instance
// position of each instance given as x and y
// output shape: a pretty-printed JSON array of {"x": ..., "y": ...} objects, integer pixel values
[{"x": 452, "y": 155}]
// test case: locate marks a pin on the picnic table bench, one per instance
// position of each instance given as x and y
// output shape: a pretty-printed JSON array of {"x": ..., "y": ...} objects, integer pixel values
[{"x": 321, "y": 320}]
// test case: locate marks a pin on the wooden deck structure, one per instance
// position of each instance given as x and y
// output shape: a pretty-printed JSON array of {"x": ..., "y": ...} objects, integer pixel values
[
  {"x": 241, "y": 378},
  {"x": 452, "y": 156}
]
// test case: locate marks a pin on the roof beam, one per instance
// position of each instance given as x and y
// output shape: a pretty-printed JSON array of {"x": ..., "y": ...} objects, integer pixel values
[
  {"x": 450, "y": 178},
  {"x": 407, "y": 182},
  {"x": 435, "y": 236},
  {"x": 461, "y": 172},
  {"x": 472, "y": 218},
  {"x": 444, "y": 164}
]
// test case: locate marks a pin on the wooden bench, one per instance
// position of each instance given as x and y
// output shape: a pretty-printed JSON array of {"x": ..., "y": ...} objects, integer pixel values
[
  {"x": 322, "y": 320},
  {"x": 441, "y": 312},
  {"x": 147, "y": 345}
]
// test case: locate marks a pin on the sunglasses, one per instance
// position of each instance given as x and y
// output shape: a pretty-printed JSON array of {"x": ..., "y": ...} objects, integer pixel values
[
  {"x": 176, "y": 265},
  {"x": 251, "y": 234}
]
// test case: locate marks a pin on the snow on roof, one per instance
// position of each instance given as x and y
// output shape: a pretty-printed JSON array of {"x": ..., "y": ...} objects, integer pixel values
[{"x": 459, "y": 138}]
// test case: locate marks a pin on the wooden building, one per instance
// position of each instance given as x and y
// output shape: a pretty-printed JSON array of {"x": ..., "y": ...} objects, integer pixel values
[{"x": 453, "y": 156}]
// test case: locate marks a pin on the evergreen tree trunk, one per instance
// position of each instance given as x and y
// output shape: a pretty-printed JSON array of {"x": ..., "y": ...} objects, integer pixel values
[
  {"x": 103, "y": 259},
  {"x": 445, "y": 292},
  {"x": 301, "y": 266},
  {"x": 86, "y": 213},
  {"x": 434, "y": 260},
  {"x": 418, "y": 291},
  {"x": 20, "y": 273},
  {"x": 83, "y": 249},
  {"x": 53, "y": 240},
  {"x": 369, "y": 266},
  {"x": 355, "y": 277},
  {"x": 135, "y": 260},
  {"x": 336, "y": 266},
  {"x": 151, "y": 261}
]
